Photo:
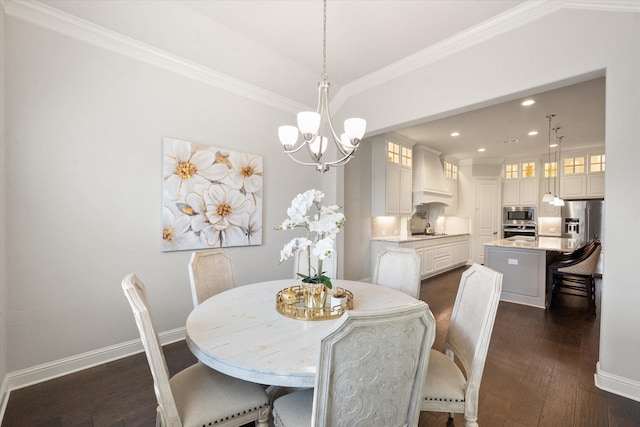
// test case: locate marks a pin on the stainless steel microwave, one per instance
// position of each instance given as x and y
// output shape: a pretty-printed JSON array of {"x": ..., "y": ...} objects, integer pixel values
[{"x": 518, "y": 214}]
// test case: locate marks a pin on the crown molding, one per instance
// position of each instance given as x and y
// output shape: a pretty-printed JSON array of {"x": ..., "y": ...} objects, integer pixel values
[
  {"x": 504, "y": 22},
  {"x": 509, "y": 20},
  {"x": 604, "y": 5},
  {"x": 72, "y": 26}
]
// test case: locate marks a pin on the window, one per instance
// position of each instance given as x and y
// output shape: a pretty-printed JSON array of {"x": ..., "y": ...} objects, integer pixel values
[
  {"x": 511, "y": 171},
  {"x": 528, "y": 170},
  {"x": 596, "y": 163},
  {"x": 450, "y": 170},
  {"x": 550, "y": 170},
  {"x": 573, "y": 165},
  {"x": 406, "y": 156},
  {"x": 393, "y": 152}
]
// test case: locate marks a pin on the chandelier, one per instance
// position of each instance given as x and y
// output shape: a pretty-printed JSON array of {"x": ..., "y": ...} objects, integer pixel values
[{"x": 312, "y": 125}]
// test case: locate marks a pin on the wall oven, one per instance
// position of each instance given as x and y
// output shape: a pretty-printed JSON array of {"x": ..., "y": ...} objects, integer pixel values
[
  {"x": 519, "y": 221},
  {"x": 529, "y": 230}
]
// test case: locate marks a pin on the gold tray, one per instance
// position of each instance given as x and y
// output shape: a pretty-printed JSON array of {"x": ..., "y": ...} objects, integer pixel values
[{"x": 295, "y": 308}]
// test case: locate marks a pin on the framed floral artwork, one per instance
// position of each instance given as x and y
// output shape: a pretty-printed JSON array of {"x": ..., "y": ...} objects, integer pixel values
[{"x": 211, "y": 197}]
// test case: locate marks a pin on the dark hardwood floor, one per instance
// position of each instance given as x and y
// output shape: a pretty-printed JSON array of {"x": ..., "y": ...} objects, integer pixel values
[{"x": 539, "y": 372}]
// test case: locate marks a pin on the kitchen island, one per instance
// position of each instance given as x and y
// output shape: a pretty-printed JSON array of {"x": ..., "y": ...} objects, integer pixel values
[{"x": 523, "y": 263}]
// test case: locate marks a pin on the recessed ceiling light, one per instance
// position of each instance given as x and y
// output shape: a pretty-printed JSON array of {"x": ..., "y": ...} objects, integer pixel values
[
  {"x": 455, "y": 133},
  {"x": 481, "y": 150},
  {"x": 553, "y": 145},
  {"x": 532, "y": 133},
  {"x": 528, "y": 102}
]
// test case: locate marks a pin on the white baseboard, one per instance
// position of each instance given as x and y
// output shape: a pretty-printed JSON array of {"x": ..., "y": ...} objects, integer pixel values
[
  {"x": 615, "y": 384},
  {"x": 68, "y": 365}
]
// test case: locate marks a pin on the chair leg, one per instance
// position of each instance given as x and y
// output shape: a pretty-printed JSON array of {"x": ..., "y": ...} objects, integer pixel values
[
  {"x": 470, "y": 422},
  {"x": 263, "y": 417}
]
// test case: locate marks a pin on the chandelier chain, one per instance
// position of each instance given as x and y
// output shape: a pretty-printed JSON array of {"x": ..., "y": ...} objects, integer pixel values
[{"x": 324, "y": 40}]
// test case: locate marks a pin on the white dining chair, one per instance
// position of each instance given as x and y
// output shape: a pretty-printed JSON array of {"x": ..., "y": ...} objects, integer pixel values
[
  {"x": 370, "y": 372},
  {"x": 301, "y": 264},
  {"x": 210, "y": 272},
  {"x": 446, "y": 388},
  {"x": 399, "y": 269},
  {"x": 197, "y": 395}
]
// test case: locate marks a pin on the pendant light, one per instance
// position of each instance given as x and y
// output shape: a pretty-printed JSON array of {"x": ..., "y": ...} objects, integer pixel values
[
  {"x": 557, "y": 201},
  {"x": 311, "y": 124},
  {"x": 548, "y": 197}
]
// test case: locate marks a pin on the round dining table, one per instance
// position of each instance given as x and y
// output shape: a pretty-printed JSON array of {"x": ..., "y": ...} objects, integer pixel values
[{"x": 240, "y": 333}]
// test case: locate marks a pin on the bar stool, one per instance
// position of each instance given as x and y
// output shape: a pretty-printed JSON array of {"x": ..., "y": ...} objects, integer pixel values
[{"x": 576, "y": 277}]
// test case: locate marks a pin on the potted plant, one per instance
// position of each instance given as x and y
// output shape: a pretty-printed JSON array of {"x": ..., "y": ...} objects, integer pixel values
[{"x": 319, "y": 242}]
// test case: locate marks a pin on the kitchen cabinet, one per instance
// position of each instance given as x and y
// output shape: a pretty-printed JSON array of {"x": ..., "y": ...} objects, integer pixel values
[
  {"x": 391, "y": 175},
  {"x": 438, "y": 254},
  {"x": 520, "y": 183},
  {"x": 451, "y": 178},
  {"x": 582, "y": 174},
  {"x": 523, "y": 273}
]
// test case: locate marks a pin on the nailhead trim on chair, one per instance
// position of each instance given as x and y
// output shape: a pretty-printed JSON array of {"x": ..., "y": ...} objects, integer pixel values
[
  {"x": 439, "y": 399},
  {"x": 233, "y": 416}
]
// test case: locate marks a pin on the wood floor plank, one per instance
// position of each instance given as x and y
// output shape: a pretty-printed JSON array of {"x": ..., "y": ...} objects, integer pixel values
[
  {"x": 559, "y": 406},
  {"x": 591, "y": 409}
]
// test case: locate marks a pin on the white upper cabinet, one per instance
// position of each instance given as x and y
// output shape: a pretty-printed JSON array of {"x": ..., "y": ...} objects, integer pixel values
[
  {"x": 582, "y": 174},
  {"x": 391, "y": 175},
  {"x": 520, "y": 183},
  {"x": 548, "y": 184},
  {"x": 451, "y": 176}
]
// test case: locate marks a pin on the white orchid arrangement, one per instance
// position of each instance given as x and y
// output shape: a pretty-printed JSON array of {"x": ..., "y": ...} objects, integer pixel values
[{"x": 322, "y": 229}]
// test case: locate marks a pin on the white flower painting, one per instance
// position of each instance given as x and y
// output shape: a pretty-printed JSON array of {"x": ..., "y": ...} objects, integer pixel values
[{"x": 211, "y": 197}]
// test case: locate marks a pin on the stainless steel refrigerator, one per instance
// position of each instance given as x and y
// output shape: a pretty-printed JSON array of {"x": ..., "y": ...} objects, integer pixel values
[{"x": 584, "y": 219}]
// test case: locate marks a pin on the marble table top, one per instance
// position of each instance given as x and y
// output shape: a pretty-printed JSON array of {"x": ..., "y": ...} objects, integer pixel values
[
  {"x": 557, "y": 244},
  {"x": 240, "y": 333}
]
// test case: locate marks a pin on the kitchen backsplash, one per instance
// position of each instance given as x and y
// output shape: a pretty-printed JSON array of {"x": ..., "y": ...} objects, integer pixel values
[{"x": 383, "y": 226}]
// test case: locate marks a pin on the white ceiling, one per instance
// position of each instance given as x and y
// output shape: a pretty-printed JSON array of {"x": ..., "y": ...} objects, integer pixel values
[
  {"x": 277, "y": 45},
  {"x": 362, "y": 36},
  {"x": 365, "y": 36},
  {"x": 579, "y": 111}
]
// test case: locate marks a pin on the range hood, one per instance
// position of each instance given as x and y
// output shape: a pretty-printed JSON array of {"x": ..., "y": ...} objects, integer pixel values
[{"x": 429, "y": 183}]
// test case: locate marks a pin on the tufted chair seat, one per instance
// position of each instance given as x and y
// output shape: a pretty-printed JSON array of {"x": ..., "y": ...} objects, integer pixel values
[
  {"x": 445, "y": 381},
  {"x": 446, "y": 389}
]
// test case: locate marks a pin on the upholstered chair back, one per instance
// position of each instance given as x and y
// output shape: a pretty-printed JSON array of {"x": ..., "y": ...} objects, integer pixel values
[
  {"x": 399, "y": 269},
  {"x": 210, "y": 273}
]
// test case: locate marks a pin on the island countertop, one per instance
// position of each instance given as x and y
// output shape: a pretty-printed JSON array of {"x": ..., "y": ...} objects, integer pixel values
[
  {"x": 557, "y": 244},
  {"x": 417, "y": 237}
]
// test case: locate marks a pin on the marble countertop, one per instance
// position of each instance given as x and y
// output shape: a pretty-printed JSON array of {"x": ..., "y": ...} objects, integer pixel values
[
  {"x": 543, "y": 243},
  {"x": 417, "y": 237}
]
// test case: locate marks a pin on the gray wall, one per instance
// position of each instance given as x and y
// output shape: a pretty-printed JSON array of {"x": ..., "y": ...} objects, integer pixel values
[{"x": 83, "y": 173}]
